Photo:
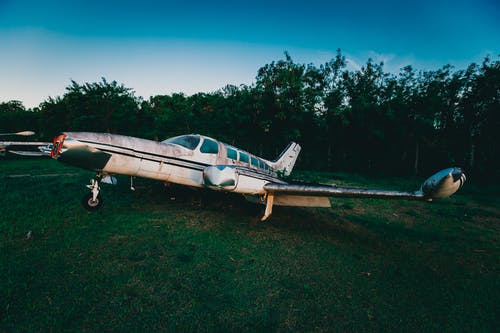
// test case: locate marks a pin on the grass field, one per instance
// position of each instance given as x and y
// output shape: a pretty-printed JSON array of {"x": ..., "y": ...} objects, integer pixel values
[{"x": 169, "y": 259}]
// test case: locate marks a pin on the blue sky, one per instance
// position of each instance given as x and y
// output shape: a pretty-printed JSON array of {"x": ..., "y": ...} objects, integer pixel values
[{"x": 189, "y": 46}]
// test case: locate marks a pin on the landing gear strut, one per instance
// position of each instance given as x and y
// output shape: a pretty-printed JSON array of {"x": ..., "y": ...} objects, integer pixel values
[{"x": 93, "y": 201}]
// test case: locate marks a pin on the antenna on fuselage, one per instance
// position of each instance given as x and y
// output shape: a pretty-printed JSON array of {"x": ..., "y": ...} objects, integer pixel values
[{"x": 132, "y": 188}]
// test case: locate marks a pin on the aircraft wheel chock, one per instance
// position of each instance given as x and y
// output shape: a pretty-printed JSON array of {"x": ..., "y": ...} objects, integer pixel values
[{"x": 91, "y": 205}]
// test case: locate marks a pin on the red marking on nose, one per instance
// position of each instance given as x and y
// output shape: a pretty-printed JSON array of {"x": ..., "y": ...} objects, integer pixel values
[{"x": 58, "y": 143}]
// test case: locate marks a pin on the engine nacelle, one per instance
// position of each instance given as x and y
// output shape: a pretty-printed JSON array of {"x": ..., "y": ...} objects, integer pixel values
[
  {"x": 443, "y": 184},
  {"x": 220, "y": 177}
]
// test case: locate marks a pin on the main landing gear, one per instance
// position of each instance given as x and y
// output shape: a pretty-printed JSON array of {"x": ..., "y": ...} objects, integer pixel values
[{"x": 93, "y": 200}]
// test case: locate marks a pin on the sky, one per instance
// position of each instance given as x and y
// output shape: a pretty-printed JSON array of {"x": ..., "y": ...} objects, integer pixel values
[{"x": 163, "y": 47}]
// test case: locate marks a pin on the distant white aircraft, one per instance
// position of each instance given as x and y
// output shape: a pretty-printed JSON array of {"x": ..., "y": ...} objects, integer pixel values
[
  {"x": 24, "y": 148},
  {"x": 200, "y": 161}
]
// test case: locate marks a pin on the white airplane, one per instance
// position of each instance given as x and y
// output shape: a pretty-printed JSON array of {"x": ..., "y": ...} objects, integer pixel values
[
  {"x": 24, "y": 148},
  {"x": 200, "y": 161}
]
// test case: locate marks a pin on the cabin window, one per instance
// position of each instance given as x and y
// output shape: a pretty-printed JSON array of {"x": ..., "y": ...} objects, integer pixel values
[
  {"x": 232, "y": 154},
  {"x": 255, "y": 162},
  {"x": 243, "y": 157},
  {"x": 187, "y": 141},
  {"x": 209, "y": 147},
  {"x": 261, "y": 164}
]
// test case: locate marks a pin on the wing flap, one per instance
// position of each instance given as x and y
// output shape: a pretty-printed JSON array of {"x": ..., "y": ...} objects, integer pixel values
[{"x": 301, "y": 201}]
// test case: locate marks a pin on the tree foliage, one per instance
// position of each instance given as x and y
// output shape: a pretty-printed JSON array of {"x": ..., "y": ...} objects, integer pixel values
[{"x": 356, "y": 120}]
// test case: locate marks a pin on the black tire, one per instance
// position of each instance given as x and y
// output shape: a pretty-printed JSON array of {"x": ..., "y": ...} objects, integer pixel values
[{"x": 90, "y": 204}]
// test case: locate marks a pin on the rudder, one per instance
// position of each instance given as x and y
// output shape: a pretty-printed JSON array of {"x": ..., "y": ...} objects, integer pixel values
[{"x": 286, "y": 160}]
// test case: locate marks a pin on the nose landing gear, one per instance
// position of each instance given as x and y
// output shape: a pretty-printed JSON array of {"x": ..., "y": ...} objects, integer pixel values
[
  {"x": 91, "y": 204},
  {"x": 93, "y": 200}
]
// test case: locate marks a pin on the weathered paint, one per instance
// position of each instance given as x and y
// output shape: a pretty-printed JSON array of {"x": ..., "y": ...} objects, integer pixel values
[
  {"x": 210, "y": 167},
  {"x": 118, "y": 154}
]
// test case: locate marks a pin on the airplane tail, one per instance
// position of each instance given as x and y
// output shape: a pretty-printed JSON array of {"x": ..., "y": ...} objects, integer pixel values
[{"x": 285, "y": 162}]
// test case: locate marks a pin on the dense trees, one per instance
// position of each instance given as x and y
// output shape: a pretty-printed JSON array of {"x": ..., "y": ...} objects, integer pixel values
[
  {"x": 101, "y": 106},
  {"x": 357, "y": 120}
]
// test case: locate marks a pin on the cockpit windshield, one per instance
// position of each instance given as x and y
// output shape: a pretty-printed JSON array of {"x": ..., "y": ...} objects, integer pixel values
[{"x": 187, "y": 141}]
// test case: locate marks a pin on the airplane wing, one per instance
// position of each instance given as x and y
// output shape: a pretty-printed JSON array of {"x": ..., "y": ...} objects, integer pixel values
[{"x": 440, "y": 185}]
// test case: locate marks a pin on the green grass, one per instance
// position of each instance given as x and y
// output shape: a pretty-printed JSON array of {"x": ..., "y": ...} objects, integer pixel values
[{"x": 163, "y": 259}]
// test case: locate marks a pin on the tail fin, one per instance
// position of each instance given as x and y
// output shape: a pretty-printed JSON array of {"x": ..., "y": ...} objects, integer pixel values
[{"x": 285, "y": 162}]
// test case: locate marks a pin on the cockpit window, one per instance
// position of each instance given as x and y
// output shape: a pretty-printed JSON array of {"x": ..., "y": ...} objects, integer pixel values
[
  {"x": 209, "y": 147},
  {"x": 187, "y": 141}
]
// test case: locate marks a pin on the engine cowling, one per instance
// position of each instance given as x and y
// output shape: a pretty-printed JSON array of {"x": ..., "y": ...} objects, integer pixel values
[
  {"x": 220, "y": 177},
  {"x": 443, "y": 184}
]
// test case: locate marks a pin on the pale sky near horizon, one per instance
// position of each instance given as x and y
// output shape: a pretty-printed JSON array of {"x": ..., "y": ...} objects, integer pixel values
[{"x": 165, "y": 47}]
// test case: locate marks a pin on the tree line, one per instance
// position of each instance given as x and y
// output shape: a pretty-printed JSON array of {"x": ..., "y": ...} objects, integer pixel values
[{"x": 365, "y": 120}]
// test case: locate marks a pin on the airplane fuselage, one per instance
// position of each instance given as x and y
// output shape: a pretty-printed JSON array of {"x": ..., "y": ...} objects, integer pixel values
[{"x": 192, "y": 160}]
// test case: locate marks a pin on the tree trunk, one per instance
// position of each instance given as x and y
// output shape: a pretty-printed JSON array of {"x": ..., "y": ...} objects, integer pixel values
[
  {"x": 417, "y": 153},
  {"x": 329, "y": 162},
  {"x": 472, "y": 153}
]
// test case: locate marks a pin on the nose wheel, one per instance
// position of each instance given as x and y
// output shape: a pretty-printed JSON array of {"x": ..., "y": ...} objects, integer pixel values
[
  {"x": 93, "y": 200},
  {"x": 91, "y": 204}
]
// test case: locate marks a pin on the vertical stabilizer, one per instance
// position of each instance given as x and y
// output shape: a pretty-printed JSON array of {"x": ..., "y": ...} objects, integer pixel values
[{"x": 285, "y": 162}]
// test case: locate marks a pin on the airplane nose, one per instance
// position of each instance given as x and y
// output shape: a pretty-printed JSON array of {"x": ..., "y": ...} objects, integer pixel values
[{"x": 69, "y": 150}]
